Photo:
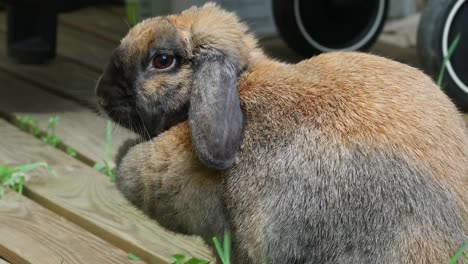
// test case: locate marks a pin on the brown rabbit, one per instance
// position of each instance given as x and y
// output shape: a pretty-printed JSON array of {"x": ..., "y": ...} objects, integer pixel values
[{"x": 342, "y": 158}]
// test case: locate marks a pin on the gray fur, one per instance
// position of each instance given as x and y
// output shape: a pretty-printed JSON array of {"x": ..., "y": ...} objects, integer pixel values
[
  {"x": 308, "y": 199},
  {"x": 215, "y": 116},
  {"x": 121, "y": 86},
  {"x": 324, "y": 203},
  {"x": 187, "y": 206},
  {"x": 321, "y": 173}
]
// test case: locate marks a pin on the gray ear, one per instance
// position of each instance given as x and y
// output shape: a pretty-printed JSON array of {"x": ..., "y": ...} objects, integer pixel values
[{"x": 215, "y": 116}]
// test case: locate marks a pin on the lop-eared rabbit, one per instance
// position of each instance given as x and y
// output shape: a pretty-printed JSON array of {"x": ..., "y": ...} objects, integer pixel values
[{"x": 342, "y": 158}]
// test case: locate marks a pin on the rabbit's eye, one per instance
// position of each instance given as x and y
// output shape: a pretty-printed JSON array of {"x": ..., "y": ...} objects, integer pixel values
[{"x": 163, "y": 61}]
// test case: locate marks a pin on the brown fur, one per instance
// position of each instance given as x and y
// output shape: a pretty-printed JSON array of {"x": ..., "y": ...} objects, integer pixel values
[
  {"x": 164, "y": 80},
  {"x": 213, "y": 26},
  {"x": 341, "y": 101},
  {"x": 366, "y": 99},
  {"x": 160, "y": 164},
  {"x": 435, "y": 247}
]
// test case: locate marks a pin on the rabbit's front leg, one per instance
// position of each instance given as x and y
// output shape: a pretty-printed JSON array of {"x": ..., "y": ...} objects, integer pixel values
[{"x": 164, "y": 178}]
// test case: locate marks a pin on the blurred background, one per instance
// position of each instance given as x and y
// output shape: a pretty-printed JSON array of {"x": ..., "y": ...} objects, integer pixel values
[
  {"x": 53, "y": 51},
  {"x": 416, "y": 32}
]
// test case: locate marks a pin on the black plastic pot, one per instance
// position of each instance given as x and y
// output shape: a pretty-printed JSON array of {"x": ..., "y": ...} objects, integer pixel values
[
  {"x": 312, "y": 27},
  {"x": 31, "y": 30},
  {"x": 440, "y": 23},
  {"x": 32, "y": 27}
]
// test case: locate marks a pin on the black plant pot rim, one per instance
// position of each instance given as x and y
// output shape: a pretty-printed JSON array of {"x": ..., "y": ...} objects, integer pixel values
[
  {"x": 380, "y": 16},
  {"x": 445, "y": 45}
]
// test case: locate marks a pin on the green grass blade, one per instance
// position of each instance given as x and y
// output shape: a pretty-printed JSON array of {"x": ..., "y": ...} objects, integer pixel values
[
  {"x": 53, "y": 122},
  {"x": 178, "y": 259},
  {"x": 98, "y": 166},
  {"x": 458, "y": 254},
  {"x": 451, "y": 50},
  {"x": 133, "y": 257},
  {"x": 4, "y": 170},
  {"x": 131, "y": 8},
  {"x": 196, "y": 261},
  {"x": 227, "y": 247},
  {"x": 28, "y": 167},
  {"x": 219, "y": 249},
  {"x": 14, "y": 178},
  {"x": 20, "y": 185},
  {"x": 35, "y": 131},
  {"x": 71, "y": 152}
]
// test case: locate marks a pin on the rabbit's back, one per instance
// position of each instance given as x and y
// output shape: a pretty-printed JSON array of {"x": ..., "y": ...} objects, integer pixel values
[{"x": 348, "y": 157}]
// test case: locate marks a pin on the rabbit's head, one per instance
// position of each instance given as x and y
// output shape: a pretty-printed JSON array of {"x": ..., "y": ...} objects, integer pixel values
[{"x": 178, "y": 67}]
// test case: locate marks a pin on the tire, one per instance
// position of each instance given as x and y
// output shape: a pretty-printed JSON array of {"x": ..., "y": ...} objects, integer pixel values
[
  {"x": 330, "y": 24},
  {"x": 441, "y": 21}
]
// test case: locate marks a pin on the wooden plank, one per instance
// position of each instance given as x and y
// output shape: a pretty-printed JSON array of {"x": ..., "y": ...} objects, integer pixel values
[
  {"x": 88, "y": 50},
  {"x": 65, "y": 75},
  {"x": 105, "y": 25},
  {"x": 89, "y": 199},
  {"x": 30, "y": 233},
  {"x": 118, "y": 10},
  {"x": 80, "y": 47},
  {"x": 61, "y": 76},
  {"x": 22, "y": 99}
]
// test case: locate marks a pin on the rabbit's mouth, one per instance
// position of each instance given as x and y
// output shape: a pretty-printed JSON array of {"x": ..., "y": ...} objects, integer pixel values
[
  {"x": 148, "y": 123},
  {"x": 156, "y": 121},
  {"x": 121, "y": 113}
]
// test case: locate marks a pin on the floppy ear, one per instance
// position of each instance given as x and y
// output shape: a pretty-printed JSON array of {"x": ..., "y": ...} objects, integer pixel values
[{"x": 215, "y": 116}]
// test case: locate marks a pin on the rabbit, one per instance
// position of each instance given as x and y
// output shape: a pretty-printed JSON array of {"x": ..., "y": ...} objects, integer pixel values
[{"x": 345, "y": 157}]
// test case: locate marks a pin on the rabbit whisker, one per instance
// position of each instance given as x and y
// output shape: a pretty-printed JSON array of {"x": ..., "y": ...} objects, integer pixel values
[{"x": 143, "y": 123}]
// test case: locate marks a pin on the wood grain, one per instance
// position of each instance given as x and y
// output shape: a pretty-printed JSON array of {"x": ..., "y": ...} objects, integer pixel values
[
  {"x": 89, "y": 199},
  {"x": 30, "y": 233},
  {"x": 105, "y": 25},
  {"x": 2, "y": 261},
  {"x": 88, "y": 50},
  {"x": 118, "y": 10},
  {"x": 78, "y": 127},
  {"x": 61, "y": 76}
]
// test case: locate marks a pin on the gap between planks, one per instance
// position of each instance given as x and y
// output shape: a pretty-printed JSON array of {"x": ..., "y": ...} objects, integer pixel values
[
  {"x": 32, "y": 234},
  {"x": 78, "y": 127},
  {"x": 90, "y": 200},
  {"x": 64, "y": 89},
  {"x": 66, "y": 75}
]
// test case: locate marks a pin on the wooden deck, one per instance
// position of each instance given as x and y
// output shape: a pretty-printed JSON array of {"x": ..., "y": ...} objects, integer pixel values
[{"x": 76, "y": 214}]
